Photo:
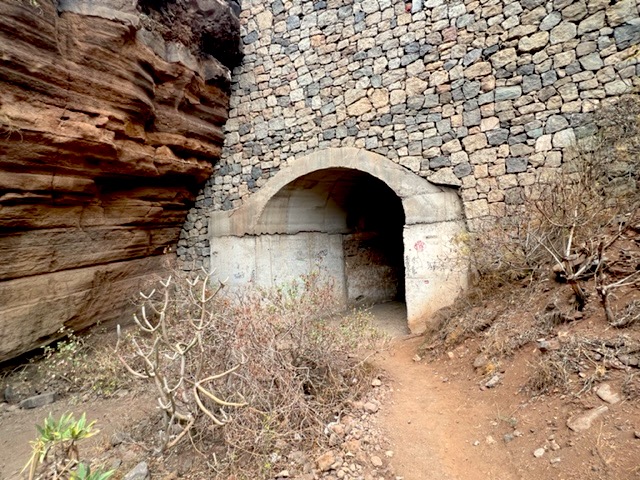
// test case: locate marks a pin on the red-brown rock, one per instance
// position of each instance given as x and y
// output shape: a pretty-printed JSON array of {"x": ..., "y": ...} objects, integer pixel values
[{"x": 106, "y": 133}]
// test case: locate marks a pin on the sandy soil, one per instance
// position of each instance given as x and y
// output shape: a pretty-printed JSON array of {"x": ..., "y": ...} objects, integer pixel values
[
  {"x": 17, "y": 428},
  {"x": 440, "y": 422},
  {"x": 444, "y": 425}
]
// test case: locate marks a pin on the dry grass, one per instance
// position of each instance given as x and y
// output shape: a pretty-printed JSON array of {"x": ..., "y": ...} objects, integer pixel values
[
  {"x": 76, "y": 364},
  {"x": 589, "y": 358},
  {"x": 279, "y": 368},
  {"x": 631, "y": 386}
]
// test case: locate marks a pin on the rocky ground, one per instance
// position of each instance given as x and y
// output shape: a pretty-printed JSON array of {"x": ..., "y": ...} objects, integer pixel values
[{"x": 422, "y": 418}]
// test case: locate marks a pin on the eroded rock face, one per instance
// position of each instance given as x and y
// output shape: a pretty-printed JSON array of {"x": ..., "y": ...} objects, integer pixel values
[
  {"x": 106, "y": 133},
  {"x": 207, "y": 25}
]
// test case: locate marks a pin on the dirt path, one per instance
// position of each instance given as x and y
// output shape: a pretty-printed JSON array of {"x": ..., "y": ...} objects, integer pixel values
[
  {"x": 432, "y": 423},
  {"x": 433, "y": 427},
  {"x": 435, "y": 418}
]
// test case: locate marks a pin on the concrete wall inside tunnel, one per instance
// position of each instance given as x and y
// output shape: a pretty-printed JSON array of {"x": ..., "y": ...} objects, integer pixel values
[
  {"x": 274, "y": 260},
  {"x": 376, "y": 230}
]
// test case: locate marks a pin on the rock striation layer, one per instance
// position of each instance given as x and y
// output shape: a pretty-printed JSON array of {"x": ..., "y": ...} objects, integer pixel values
[{"x": 107, "y": 130}]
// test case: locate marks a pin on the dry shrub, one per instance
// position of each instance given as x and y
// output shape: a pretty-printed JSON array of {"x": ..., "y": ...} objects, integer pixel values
[
  {"x": 86, "y": 365},
  {"x": 549, "y": 375},
  {"x": 250, "y": 378},
  {"x": 631, "y": 387},
  {"x": 504, "y": 337},
  {"x": 494, "y": 316},
  {"x": 468, "y": 316},
  {"x": 566, "y": 217},
  {"x": 577, "y": 365},
  {"x": 75, "y": 364}
]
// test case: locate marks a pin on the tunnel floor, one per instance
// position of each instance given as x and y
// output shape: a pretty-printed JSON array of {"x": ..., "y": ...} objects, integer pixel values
[{"x": 390, "y": 318}]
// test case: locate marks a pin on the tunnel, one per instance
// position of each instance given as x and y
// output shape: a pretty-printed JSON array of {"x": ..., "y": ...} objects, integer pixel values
[
  {"x": 363, "y": 211},
  {"x": 377, "y": 231}
]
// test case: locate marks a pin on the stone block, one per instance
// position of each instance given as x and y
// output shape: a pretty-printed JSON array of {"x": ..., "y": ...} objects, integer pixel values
[
  {"x": 543, "y": 143},
  {"x": 592, "y": 61},
  {"x": 621, "y": 12},
  {"x": 489, "y": 124},
  {"x": 477, "y": 209},
  {"x": 503, "y": 57},
  {"x": 555, "y": 123},
  {"x": 474, "y": 142},
  {"x": 592, "y": 23},
  {"x": 508, "y": 93},
  {"x": 516, "y": 164},
  {"x": 360, "y": 107},
  {"x": 576, "y": 11},
  {"x": 445, "y": 176},
  {"x": 471, "y": 118},
  {"x": 462, "y": 170},
  {"x": 618, "y": 87},
  {"x": 563, "y": 32},
  {"x": 627, "y": 35},
  {"x": 564, "y": 138},
  {"x": 479, "y": 69},
  {"x": 531, "y": 83},
  {"x": 498, "y": 136},
  {"x": 550, "y": 21},
  {"x": 533, "y": 43},
  {"x": 451, "y": 146}
]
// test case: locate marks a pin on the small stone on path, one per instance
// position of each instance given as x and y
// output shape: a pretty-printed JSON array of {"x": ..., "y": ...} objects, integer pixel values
[
  {"x": 371, "y": 407},
  {"x": 481, "y": 361},
  {"x": 38, "y": 400},
  {"x": 538, "y": 452},
  {"x": 376, "y": 461},
  {"x": 139, "y": 472},
  {"x": 325, "y": 461},
  {"x": 583, "y": 421},
  {"x": 606, "y": 394},
  {"x": 493, "y": 381}
]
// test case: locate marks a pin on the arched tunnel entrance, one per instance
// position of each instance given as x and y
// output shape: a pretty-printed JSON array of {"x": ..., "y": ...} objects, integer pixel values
[
  {"x": 360, "y": 208},
  {"x": 376, "y": 230}
]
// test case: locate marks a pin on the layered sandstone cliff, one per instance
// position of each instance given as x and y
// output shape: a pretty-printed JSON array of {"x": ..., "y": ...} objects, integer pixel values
[{"x": 107, "y": 130}]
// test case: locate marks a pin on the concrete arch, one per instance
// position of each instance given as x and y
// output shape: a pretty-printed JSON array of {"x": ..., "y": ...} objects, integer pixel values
[
  {"x": 283, "y": 231},
  {"x": 423, "y": 202}
]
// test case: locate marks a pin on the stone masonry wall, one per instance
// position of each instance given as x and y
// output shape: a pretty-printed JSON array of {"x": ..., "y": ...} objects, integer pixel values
[{"x": 480, "y": 95}]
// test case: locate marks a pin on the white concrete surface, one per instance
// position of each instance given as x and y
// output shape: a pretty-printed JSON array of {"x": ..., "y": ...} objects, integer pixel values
[
  {"x": 434, "y": 277},
  {"x": 278, "y": 260},
  {"x": 294, "y": 225}
]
